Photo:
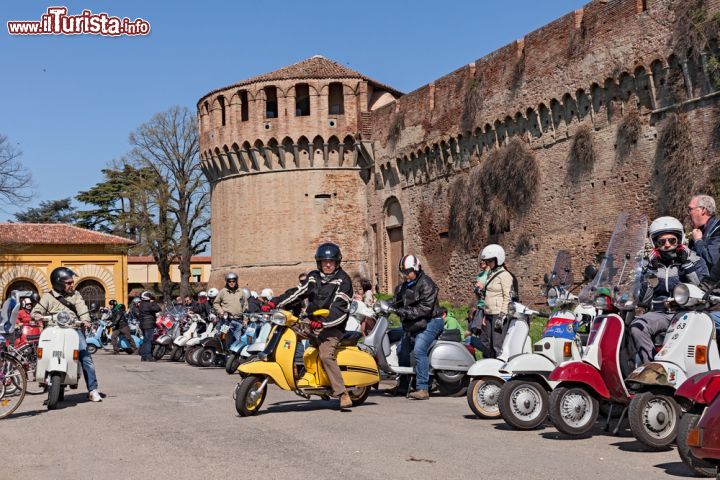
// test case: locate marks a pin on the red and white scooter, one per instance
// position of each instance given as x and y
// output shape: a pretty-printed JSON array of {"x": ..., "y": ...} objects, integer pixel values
[{"x": 600, "y": 374}]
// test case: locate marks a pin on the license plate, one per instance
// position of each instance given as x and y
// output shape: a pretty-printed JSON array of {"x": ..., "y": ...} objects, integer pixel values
[
  {"x": 57, "y": 354},
  {"x": 225, "y": 329}
]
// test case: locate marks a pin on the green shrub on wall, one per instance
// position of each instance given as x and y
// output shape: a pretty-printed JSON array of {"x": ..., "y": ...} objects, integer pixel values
[
  {"x": 581, "y": 159},
  {"x": 674, "y": 167}
]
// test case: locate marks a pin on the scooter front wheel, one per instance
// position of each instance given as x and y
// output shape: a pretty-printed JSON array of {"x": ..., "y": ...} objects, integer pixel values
[
  {"x": 91, "y": 348},
  {"x": 206, "y": 358},
  {"x": 158, "y": 351},
  {"x": 250, "y": 395},
  {"x": 654, "y": 419},
  {"x": 523, "y": 404},
  {"x": 54, "y": 388},
  {"x": 699, "y": 467},
  {"x": 483, "y": 395},
  {"x": 176, "y": 354},
  {"x": 232, "y": 363},
  {"x": 573, "y": 411}
]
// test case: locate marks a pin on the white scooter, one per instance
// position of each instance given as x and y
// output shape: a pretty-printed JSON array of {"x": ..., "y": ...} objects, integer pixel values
[
  {"x": 523, "y": 400},
  {"x": 179, "y": 343},
  {"x": 486, "y": 379},
  {"x": 193, "y": 348},
  {"x": 449, "y": 359},
  {"x": 58, "y": 354},
  {"x": 690, "y": 347}
]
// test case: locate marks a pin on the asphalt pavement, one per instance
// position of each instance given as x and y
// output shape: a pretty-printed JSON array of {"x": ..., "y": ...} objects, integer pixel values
[{"x": 170, "y": 420}]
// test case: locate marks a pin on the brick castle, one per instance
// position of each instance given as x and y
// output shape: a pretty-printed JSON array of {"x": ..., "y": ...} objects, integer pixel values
[{"x": 609, "y": 108}]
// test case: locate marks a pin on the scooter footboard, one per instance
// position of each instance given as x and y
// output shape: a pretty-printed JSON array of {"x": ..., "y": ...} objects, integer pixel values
[
  {"x": 580, "y": 373},
  {"x": 267, "y": 369}
]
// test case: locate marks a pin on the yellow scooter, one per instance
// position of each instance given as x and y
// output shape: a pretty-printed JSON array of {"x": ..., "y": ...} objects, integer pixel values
[{"x": 276, "y": 365}]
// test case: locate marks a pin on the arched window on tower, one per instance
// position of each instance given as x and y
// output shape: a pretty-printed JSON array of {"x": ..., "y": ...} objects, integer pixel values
[
  {"x": 302, "y": 100},
  {"x": 271, "y": 103},
  {"x": 244, "y": 107},
  {"x": 336, "y": 99}
]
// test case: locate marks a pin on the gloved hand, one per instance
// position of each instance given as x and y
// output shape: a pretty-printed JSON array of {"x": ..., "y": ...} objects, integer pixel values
[
  {"x": 316, "y": 325},
  {"x": 498, "y": 323},
  {"x": 682, "y": 253},
  {"x": 654, "y": 257},
  {"x": 267, "y": 307}
]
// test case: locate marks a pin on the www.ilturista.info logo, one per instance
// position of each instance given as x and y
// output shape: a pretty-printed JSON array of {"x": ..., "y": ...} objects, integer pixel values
[{"x": 57, "y": 22}]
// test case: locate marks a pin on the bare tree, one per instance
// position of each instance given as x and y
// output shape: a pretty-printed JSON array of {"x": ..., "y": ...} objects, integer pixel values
[
  {"x": 168, "y": 145},
  {"x": 15, "y": 180}
]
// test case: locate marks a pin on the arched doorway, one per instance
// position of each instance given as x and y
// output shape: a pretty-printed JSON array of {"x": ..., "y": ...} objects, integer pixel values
[
  {"x": 395, "y": 247},
  {"x": 20, "y": 285},
  {"x": 92, "y": 292}
]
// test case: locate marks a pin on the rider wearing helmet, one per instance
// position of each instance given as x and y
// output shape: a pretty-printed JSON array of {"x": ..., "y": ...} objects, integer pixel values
[
  {"x": 416, "y": 303},
  {"x": 64, "y": 298},
  {"x": 212, "y": 294},
  {"x": 497, "y": 294},
  {"x": 231, "y": 299},
  {"x": 202, "y": 306},
  {"x": 120, "y": 326},
  {"x": 328, "y": 287},
  {"x": 149, "y": 310},
  {"x": 669, "y": 263}
]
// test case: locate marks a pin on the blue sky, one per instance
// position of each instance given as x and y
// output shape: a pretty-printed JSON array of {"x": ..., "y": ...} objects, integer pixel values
[{"x": 69, "y": 102}]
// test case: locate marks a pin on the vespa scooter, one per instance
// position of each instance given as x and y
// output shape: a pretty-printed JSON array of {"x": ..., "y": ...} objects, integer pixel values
[{"x": 58, "y": 357}]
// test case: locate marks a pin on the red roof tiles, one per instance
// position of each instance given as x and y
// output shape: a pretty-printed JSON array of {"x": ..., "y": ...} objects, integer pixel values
[{"x": 55, "y": 234}]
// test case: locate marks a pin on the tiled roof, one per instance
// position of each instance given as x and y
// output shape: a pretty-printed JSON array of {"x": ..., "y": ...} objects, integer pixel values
[
  {"x": 146, "y": 259},
  {"x": 316, "y": 67},
  {"x": 55, "y": 234}
]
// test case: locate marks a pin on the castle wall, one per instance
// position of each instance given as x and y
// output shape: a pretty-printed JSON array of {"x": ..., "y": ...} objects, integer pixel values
[{"x": 596, "y": 67}]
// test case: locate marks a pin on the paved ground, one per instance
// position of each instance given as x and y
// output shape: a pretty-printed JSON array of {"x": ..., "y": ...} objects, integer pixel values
[{"x": 164, "y": 420}]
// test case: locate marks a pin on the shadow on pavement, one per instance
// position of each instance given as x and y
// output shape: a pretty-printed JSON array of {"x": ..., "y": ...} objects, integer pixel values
[
  {"x": 676, "y": 469},
  {"x": 635, "y": 446},
  {"x": 307, "y": 406}
]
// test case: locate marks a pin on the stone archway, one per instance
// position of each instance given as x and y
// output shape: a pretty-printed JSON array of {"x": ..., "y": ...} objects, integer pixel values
[
  {"x": 395, "y": 248},
  {"x": 93, "y": 293},
  {"x": 20, "y": 284},
  {"x": 100, "y": 274},
  {"x": 27, "y": 273}
]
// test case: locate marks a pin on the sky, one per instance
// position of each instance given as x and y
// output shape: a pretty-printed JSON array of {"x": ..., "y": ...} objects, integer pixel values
[{"x": 69, "y": 102}]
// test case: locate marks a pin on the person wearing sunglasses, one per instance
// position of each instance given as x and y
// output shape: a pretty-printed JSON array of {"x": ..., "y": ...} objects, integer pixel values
[
  {"x": 64, "y": 298},
  {"x": 669, "y": 263},
  {"x": 230, "y": 299}
]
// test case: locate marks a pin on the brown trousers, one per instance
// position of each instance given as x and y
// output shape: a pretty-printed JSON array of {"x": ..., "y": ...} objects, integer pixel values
[
  {"x": 329, "y": 338},
  {"x": 125, "y": 332}
]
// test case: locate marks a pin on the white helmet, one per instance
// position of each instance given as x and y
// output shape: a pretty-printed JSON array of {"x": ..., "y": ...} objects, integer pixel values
[
  {"x": 267, "y": 294},
  {"x": 493, "y": 251},
  {"x": 410, "y": 262},
  {"x": 213, "y": 292},
  {"x": 254, "y": 294},
  {"x": 663, "y": 225},
  {"x": 203, "y": 294}
]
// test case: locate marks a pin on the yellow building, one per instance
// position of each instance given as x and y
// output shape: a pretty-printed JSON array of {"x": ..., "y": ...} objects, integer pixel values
[
  {"x": 143, "y": 273},
  {"x": 29, "y": 252}
]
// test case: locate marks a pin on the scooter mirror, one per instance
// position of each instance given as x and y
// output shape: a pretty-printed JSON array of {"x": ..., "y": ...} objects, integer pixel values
[
  {"x": 589, "y": 273},
  {"x": 546, "y": 278}
]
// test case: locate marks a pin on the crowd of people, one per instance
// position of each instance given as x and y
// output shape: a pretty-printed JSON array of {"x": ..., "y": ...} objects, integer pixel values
[{"x": 673, "y": 259}]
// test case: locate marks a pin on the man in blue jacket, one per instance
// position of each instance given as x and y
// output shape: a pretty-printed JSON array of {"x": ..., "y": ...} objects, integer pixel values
[{"x": 706, "y": 229}]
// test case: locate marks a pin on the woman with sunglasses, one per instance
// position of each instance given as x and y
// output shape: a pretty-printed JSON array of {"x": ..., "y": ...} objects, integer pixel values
[{"x": 669, "y": 263}]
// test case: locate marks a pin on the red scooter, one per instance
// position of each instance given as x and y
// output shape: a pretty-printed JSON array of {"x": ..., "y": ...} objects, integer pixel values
[
  {"x": 599, "y": 375},
  {"x": 698, "y": 437}
]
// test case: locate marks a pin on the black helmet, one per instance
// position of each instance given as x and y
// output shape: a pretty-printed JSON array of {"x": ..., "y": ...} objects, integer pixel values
[
  {"x": 59, "y": 276},
  {"x": 147, "y": 295},
  {"x": 328, "y": 251}
]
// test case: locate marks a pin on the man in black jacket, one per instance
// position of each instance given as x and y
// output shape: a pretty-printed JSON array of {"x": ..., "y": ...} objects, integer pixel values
[
  {"x": 331, "y": 288},
  {"x": 148, "y": 310},
  {"x": 120, "y": 327},
  {"x": 416, "y": 303}
]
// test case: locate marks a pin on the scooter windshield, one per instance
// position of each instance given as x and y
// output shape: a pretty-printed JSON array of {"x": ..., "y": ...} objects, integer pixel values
[
  {"x": 561, "y": 273},
  {"x": 620, "y": 271}
]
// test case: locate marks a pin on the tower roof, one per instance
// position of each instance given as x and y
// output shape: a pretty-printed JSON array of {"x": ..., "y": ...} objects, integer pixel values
[{"x": 313, "y": 68}]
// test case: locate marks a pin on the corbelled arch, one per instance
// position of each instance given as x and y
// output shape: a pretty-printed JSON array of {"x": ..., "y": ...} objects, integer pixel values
[
  {"x": 24, "y": 272},
  {"x": 99, "y": 274}
]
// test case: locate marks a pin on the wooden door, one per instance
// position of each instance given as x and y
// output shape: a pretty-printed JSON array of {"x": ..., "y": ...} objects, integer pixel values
[{"x": 396, "y": 252}]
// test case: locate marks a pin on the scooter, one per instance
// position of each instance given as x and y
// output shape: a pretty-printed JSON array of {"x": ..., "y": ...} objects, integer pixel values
[
  {"x": 697, "y": 440},
  {"x": 690, "y": 347},
  {"x": 96, "y": 341},
  {"x": 193, "y": 347},
  {"x": 169, "y": 323},
  {"x": 600, "y": 374},
  {"x": 189, "y": 331},
  {"x": 58, "y": 357},
  {"x": 276, "y": 365},
  {"x": 247, "y": 338},
  {"x": 215, "y": 349},
  {"x": 523, "y": 401},
  {"x": 449, "y": 359}
]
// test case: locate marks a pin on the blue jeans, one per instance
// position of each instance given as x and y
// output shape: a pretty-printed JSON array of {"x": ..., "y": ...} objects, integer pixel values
[
  {"x": 146, "y": 347},
  {"x": 423, "y": 342},
  {"x": 86, "y": 362},
  {"x": 716, "y": 318}
]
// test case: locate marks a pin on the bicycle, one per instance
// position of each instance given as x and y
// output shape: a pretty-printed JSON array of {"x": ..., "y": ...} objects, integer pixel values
[{"x": 13, "y": 382}]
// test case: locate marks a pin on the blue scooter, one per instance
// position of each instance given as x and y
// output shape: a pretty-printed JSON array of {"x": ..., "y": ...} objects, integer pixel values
[
  {"x": 124, "y": 344},
  {"x": 101, "y": 336}
]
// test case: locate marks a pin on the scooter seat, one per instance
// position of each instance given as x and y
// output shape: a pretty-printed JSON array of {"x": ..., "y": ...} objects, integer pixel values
[
  {"x": 350, "y": 339},
  {"x": 451, "y": 335}
]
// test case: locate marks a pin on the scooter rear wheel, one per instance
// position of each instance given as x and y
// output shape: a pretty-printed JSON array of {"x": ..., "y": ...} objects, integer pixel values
[
  {"x": 699, "y": 467},
  {"x": 654, "y": 419},
  {"x": 195, "y": 356},
  {"x": 92, "y": 349},
  {"x": 358, "y": 395},
  {"x": 523, "y": 404},
  {"x": 249, "y": 397},
  {"x": 482, "y": 397},
  {"x": 573, "y": 411}
]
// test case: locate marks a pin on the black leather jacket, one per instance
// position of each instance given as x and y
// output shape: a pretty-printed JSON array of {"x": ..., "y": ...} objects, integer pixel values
[
  {"x": 147, "y": 311},
  {"x": 333, "y": 292},
  {"x": 417, "y": 301}
]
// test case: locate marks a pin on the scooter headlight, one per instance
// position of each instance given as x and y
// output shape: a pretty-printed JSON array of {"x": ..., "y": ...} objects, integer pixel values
[
  {"x": 63, "y": 319},
  {"x": 353, "y": 307},
  {"x": 552, "y": 297},
  {"x": 279, "y": 318},
  {"x": 681, "y": 294}
]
